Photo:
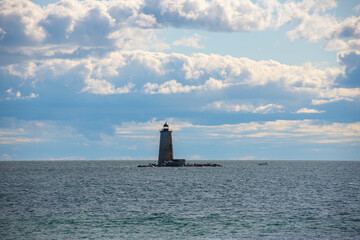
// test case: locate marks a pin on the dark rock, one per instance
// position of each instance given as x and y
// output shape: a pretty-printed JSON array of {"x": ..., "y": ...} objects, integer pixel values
[{"x": 177, "y": 164}]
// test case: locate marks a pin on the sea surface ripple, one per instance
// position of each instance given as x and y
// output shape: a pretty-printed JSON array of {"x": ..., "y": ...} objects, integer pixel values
[{"x": 241, "y": 200}]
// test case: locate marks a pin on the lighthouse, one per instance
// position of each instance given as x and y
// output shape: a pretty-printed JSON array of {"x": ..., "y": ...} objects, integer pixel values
[
  {"x": 166, "y": 148},
  {"x": 166, "y": 154}
]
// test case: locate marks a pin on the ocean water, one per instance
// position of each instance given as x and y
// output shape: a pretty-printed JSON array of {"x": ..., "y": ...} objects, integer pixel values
[{"x": 241, "y": 200}]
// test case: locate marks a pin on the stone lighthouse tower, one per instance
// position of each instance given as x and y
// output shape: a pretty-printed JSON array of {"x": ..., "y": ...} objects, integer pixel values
[{"x": 166, "y": 154}]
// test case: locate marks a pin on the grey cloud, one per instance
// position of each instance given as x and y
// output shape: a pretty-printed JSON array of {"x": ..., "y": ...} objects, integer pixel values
[
  {"x": 349, "y": 28},
  {"x": 349, "y": 59},
  {"x": 351, "y": 62},
  {"x": 90, "y": 23},
  {"x": 56, "y": 27},
  {"x": 19, "y": 23},
  {"x": 101, "y": 26},
  {"x": 215, "y": 15}
]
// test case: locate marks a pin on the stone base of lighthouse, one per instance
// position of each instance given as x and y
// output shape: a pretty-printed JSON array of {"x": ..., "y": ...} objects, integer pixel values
[{"x": 174, "y": 163}]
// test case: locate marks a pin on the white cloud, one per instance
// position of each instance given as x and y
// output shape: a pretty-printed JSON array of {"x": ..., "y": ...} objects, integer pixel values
[
  {"x": 233, "y": 15},
  {"x": 18, "y": 96},
  {"x": 17, "y": 140},
  {"x": 348, "y": 28},
  {"x": 107, "y": 24},
  {"x": 19, "y": 23},
  {"x": 25, "y": 70},
  {"x": 168, "y": 87},
  {"x": 70, "y": 27},
  {"x": 2, "y": 34},
  {"x": 104, "y": 87},
  {"x": 270, "y": 108},
  {"x": 192, "y": 41},
  {"x": 173, "y": 86},
  {"x": 308, "y": 110},
  {"x": 297, "y": 131},
  {"x": 314, "y": 28},
  {"x": 230, "y": 107},
  {"x": 249, "y": 72},
  {"x": 137, "y": 38},
  {"x": 336, "y": 45},
  {"x": 246, "y": 158},
  {"x": 214, "y": 84},
  {"x": 15, "y": 136},
  {"x": 196, "y": 157},
  {"x": 329, "y": 100},
  {"x": 28, "y": 132},
  {"x": 336, "y": 94},
  {"x": 112, "y": 23},
  {"x": 149, "y": 128},
  {"x": 354, "y": 45},
  {"x": 199, "y": 72},
  {"x": 67, "y": 158},
  {"x": 336, "y": 35}
]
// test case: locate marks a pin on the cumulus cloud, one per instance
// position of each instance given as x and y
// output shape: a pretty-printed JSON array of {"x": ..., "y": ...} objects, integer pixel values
[
  {"x": 116, "y": 23},
  {"x": 314, "y": 28},
  {"x": 168, "y": 87},
  {"x": 74, "y": 29},
  {"x": 107, "y": 24},
  {"x": 19, "y": 23},
  {"x": 246, "y": 71},
  {"x": 244, "y": 15},
  {"x": 151, "y": 71},
  {"x": 336, "y": 35},
  {"x": 350, "y": 60},
  {"x": 104, "y": 87},
  {"x": 173, "y": 86}
]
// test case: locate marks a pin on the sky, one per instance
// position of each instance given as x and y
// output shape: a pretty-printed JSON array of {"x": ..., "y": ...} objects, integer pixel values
[{"x": 235, "y": 79}]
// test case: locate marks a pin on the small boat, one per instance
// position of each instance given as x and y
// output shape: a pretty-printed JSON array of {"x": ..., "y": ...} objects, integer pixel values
[{"x": 263, "y": 163}]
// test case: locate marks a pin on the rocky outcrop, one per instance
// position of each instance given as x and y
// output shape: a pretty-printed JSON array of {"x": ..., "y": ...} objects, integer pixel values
[{"x": 173, "y": 164}]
